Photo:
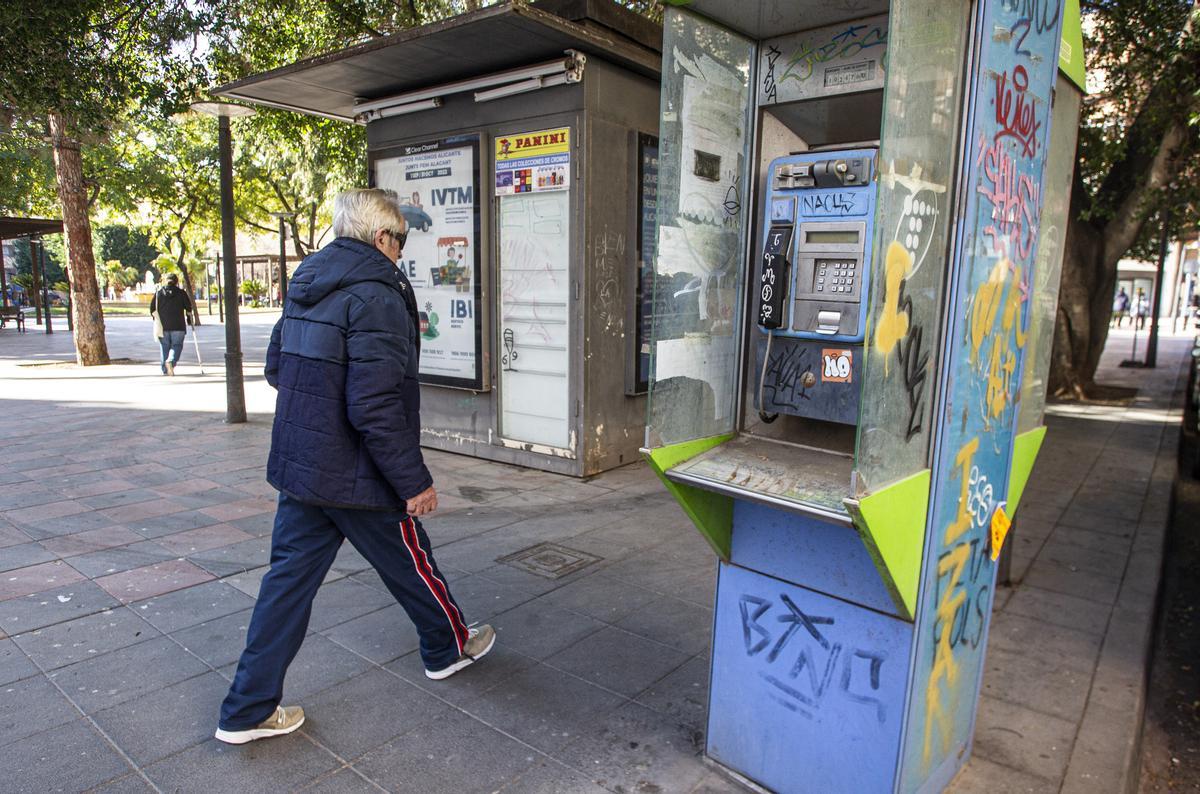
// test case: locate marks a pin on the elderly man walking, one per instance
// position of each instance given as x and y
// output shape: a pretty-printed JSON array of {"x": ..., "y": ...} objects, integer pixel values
[{"x": 346, "y": 460}]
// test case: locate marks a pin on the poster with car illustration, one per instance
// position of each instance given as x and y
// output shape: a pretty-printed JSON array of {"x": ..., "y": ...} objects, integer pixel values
[{"x": 437, "y": 183}]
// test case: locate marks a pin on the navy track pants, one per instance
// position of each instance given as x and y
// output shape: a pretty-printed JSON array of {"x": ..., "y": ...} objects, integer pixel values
[{"x": 304, "y": 543}]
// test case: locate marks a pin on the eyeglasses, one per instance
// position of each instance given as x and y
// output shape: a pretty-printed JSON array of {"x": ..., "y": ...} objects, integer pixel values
[{"x": 399, "y": 237}]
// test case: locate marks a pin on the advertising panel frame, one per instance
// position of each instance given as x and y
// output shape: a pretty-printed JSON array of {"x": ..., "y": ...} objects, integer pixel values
[{"x": 479, "y": 382}]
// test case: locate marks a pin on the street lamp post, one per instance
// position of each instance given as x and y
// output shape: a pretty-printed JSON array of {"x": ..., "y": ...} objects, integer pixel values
[
  {"x": 41, "y": 264},
  {"x": 283, "y": 218},
  {"x": 235, "y": 391}
]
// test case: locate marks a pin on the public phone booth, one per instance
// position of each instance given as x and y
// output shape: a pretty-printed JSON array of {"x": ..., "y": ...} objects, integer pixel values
[
  {"x": 867, "y": 202},
  {"x": 521, "y": 140}
]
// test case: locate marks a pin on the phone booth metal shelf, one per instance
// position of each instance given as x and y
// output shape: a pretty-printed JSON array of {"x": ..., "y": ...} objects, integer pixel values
[{"x": 860, "y": 218}]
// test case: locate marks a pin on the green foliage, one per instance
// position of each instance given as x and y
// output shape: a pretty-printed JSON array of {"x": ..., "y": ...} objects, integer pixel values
[
  {"x": 131, "y": 247},
  {"x": 1145, "y": 72},
  {"x": 254, "y": 290},
  {"x": 92, "y": 61},
  {"x": 116, "y": 275},
  {"x": 54, "y": 257}
]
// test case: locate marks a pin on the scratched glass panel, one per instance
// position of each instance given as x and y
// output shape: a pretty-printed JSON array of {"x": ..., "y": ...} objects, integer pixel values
[
  {"x": 1060, "y": 168},
  {"x": 704, "y": 136},
  {"x": 922, "y": 101}
]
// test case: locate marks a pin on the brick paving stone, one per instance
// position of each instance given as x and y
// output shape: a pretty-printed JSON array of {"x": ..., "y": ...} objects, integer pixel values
[
  {"x": 619, "y": 661},
  {"x": 91, "y": 540},
  {"x": 31, "y": 706},
  {"x": 175, "y": 522},
  {"x": 636, "y": 749},
  {"x": 366, "y": 711},
  {"x": 14, "y": 664},
  {"x": 72, "y": 757},
  {"x": 114, "y": 499},
  {"x": 48, "y": 510},
  {"x": 11, "y": 536},
  {"x": 189, "y": 606},
  {"x": 286, "y": 763},
  {"x": 118, "y": 559},
  {"x": 23, "y": 555},
  {"x": 240, "y": 509},
  {"x": 219, "y": 641},
  {"x": 126, "y": 673},
  {"x": 153, "y": 580},
  {"x": 202, "y": 539},
  {"x": 36, "y": 578},
  {"x": 166, "y": 721},
  {"x": 18, "y": 615},
  {"x": 84, "y": 638},
  {"x": 67, "y": 525},
  {"x": 456, "y": 755},
  {"x": 97, "y": 488},
  {"x": 143, "y": 511}
]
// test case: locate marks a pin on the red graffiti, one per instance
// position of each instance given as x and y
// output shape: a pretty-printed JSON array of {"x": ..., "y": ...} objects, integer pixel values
[
  {"x": 1016, "y": 110},
  {"x": 1015, "y": 198}
]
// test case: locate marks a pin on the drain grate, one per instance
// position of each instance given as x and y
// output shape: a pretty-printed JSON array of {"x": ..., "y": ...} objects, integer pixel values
[{"x": 550, "y": 560}]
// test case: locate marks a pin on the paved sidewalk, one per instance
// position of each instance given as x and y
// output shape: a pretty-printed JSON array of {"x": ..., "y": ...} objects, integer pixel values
[{"x": 134, "y": 527}]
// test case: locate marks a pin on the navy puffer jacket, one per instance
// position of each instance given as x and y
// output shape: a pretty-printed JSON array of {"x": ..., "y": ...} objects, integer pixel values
[{"x": 344, "y": 358}]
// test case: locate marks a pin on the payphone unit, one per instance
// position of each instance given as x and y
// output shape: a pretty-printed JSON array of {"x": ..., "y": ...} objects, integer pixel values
[{"x": 814, "y": 274}]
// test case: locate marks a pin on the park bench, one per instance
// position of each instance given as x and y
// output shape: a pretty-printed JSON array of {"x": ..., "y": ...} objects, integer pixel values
[{"x": 13, "y": 313}]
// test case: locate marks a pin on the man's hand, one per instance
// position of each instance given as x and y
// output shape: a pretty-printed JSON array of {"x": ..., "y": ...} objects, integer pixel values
[{"x": 423, "y": 503}]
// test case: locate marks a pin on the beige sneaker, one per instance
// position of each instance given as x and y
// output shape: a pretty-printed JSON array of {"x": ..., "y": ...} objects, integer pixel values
[
  {"x": 479, "y": 642},
  {"x": 170, "y": 368},
  {"x": 285, "y": 720}
]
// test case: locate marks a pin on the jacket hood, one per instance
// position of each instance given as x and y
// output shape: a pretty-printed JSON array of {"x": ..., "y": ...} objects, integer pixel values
[{"x": 343, "y": 262}]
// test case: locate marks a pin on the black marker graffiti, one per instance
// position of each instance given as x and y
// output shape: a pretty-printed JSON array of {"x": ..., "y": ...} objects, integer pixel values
[
  {"x": 769, "y": 87},
  {"x": 805, "y": 695},
  {"x": 914, "y": 360},
  {"x": 785, "y": 378}
]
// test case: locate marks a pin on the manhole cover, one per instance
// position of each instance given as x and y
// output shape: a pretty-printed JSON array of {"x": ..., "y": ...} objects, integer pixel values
[{"x": 550, "y": 560}]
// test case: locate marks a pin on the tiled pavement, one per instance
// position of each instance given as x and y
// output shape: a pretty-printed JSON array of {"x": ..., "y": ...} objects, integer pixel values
[{"x": 132, "y": 540}]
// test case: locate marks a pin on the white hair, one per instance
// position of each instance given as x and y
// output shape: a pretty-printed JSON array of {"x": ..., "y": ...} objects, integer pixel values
[{"x": 361, "y": 213}]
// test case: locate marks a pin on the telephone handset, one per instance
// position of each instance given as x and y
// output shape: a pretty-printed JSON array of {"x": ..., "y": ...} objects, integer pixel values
[{"x": 776, "y": 271}]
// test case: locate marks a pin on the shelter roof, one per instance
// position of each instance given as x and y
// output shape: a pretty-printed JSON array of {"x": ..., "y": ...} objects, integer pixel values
[
  {"x": 24, "y": 227},
  {"x": 493, "y": 39}
]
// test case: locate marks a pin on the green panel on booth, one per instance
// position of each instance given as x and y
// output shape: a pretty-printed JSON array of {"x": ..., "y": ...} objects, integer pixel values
[
  {"x": 711, "y": 513},
  {"x": 891, "y": 523},
  {"x": 1025, "y": 451},
  {"x": 1070, "y": 53}
]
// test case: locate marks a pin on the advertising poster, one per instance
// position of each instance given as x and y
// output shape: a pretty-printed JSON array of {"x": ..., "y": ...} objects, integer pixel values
[
  {"x": 533, "y": 162},
  {"x": 438, "y": 186}
]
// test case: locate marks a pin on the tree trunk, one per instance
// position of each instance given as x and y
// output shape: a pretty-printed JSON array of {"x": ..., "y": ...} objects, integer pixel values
[
  {"x": 90, "y": 346},
  {"x": 1084, "y": 309},
  {"x": 187, "y": 280}
]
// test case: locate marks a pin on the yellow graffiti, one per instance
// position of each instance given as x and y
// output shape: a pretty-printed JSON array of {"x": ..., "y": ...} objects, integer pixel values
[
  {"x": 1012, "y": 309},
  {"x": 986, "y": 306},
  {"x": 892, "y": 325},
  {"x": 944, "y": 666},
  {"x": 962, "y": 522},
  {"x": 998, "y": 298}
]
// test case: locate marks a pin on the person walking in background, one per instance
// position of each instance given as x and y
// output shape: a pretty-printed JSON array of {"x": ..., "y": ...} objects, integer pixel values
[
  {"x": 1141, "y": 308},
  {"x": 346, "y": 459},
  {"x": 1120, "y": 309},
  {"x": 171, "y": 307}
]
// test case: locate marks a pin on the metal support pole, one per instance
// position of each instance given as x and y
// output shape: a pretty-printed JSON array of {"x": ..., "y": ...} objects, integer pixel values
[
  {"x": 282, "y": 262},
  {"x": 3, "y": 279},
  {"x": 37, "y": 281},
  {"x": 220, "y": 292},
  {"x": 1152, "y": 342},
  {"x": 208, "y": 288},
  {"x": 45, "y": 286},
  {"x": 235, "y": 393}
]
